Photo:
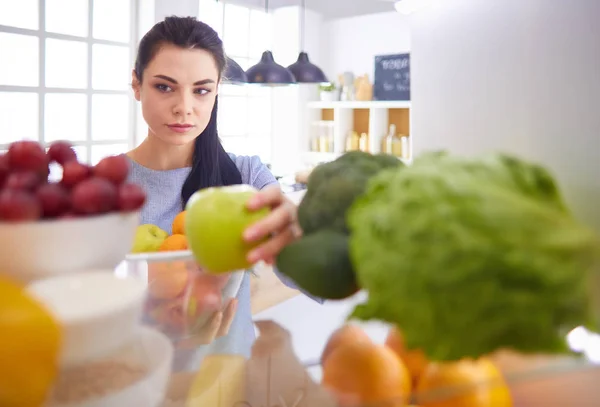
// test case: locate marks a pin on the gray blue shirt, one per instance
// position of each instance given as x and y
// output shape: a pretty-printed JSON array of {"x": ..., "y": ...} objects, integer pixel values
[{"x": 163, "y": 189}]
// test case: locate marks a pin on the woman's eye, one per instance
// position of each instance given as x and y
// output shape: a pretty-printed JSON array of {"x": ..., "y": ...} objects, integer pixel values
[
  {"x": 202, "y": 91},
  {"x": 163, "y": 88}
]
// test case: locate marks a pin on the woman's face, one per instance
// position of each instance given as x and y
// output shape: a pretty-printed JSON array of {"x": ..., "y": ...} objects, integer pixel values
[{"x": 177, "y": 93}]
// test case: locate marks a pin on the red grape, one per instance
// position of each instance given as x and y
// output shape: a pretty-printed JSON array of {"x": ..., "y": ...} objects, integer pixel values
[
  {"x": 74, "y": 172},
  {"x": 28, "y": 155},
  {"x": 114, "y": 168},
  {"x": 54, "y": 200},
  {"x": 25, "y": 180},
  {"x": 93, "y": 196},
  {"x": 4, "y": 168},
  {"x": 61, "y": 152},
  {"x": 19, "y": 205},
  {"x": 131, "y": 197}
]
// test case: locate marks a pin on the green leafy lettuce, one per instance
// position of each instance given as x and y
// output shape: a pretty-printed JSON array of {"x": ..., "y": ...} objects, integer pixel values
[{"x": 468, "y": 256}]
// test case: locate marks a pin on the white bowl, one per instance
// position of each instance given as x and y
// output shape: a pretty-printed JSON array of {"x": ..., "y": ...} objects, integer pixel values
[
  {"x": 98, "y": 311},
  {"x": 32, "y": 250},
  {"x": 154, "y": 352}
]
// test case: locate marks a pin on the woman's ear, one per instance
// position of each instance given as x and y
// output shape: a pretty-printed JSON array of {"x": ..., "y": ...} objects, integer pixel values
[{"x": 135, "y": 85}]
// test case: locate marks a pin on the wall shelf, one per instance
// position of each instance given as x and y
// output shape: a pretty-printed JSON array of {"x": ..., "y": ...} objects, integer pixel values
[
  {"x": 376, "y": 104},
  {"x": 371, "y": 117}
]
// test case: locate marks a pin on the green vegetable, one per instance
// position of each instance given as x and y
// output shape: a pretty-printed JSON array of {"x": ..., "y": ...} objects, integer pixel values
[
  {"x": 333, "y": 186},
  {"x": 468, "y": 256},
  {"x": 319, "y": 263}
]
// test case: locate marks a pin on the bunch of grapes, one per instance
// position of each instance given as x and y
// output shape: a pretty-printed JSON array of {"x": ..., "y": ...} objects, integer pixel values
[{"x": 26, "y": 194}]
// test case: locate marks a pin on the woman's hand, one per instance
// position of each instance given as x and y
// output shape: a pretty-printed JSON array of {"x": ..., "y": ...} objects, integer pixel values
[{"x": 281, "y": 224}]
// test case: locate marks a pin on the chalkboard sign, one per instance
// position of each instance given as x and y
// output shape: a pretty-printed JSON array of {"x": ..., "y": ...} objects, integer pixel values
[{"x": 392, "y": 77}]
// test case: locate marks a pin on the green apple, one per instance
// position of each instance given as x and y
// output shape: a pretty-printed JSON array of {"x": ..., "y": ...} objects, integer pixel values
[
  {"x": 214, "y": 224},
  {"x": 148, "y": 238}
]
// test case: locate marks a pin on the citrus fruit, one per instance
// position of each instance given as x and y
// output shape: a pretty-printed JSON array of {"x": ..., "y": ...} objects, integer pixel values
[
  {"x": 219, "y": 382},
  {"x": 214, "y": 225},
  {"x": 466, "y": 383},
  {"x": 348, "y": 333},
  {"x": 414, "y": 359},
  {"x": 30, "y": 341},
  {"x": 364, "y": 373},
  {"x": 167, "y": 280},
  {"x": 174, "y": 243},
  {"x": 178, "y": 225}
]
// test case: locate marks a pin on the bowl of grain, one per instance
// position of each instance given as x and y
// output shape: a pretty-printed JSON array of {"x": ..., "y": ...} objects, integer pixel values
[
  {"x": 135, "y": 375},
  {"x": 97, "y": 310}
]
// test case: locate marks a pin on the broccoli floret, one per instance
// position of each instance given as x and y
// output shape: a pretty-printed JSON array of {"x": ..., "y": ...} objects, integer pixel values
[{"x": 333, "y": 186}]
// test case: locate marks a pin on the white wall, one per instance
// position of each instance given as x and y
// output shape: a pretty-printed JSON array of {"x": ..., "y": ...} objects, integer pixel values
[
  {"x": 350, "y": 44},
  {"x": 513, "y": 75}
]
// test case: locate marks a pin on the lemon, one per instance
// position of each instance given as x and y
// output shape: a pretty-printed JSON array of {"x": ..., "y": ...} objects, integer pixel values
[
  {"x": 220, "y": 382},
  {"x": 30, "y": 341}
]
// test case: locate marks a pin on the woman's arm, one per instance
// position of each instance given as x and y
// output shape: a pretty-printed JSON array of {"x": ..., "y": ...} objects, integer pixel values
[{"x": 259, "y": 176}]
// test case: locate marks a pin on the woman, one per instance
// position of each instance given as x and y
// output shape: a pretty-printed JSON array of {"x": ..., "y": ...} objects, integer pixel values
[{"x": 176, "y": 77}]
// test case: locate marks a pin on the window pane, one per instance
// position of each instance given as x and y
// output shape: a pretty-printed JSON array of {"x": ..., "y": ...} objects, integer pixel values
[
  {"x": 233, "y": 116},
  {"x": 19, "y": 116},
  {"x": 66, "y": 64},
  {"x": 236, "y": 145},
  {"x": 227, "y": 89},
  {"x": 110, "y": 67},
  {"x": 67, "y": 17},
  {"x": 211, "y": 12},
  {"x": 110, "y": 117},
  {"x": 235, "y": 39},
  {"x": 21, "y": 14},
  {"x": 260, "y": 33},
  {"x": 65, "y": 117},
  {"x": 100, "y": 151},
  {"x": 111, "y": 20},
  {"x": 259, "y": 116},
  {"x": 23, "y": 53},
  {"x": 260, "y": 146}
]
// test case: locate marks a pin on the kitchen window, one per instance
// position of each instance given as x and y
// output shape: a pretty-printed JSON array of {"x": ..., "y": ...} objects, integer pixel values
[
  {"x": 66, "y": 74},
  {"x": 244, "y": 110}
]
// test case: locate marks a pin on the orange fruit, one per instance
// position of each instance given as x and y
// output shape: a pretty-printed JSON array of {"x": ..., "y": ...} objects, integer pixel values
[
  {"x": 30, "y": 341},
  {"x": 466, "y": 383},
  {"x": 362, "y": 373},
  {"x": 174, "y": 243},
  {"x": 167, "y": 280},
  {"x": 414, "y": 359},
  {"x": 348, "y": 333},
  {"x": 178, "y": 226}
]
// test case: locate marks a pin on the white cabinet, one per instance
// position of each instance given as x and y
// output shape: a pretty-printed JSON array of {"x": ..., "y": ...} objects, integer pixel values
[{"x": 371, "y": 117}]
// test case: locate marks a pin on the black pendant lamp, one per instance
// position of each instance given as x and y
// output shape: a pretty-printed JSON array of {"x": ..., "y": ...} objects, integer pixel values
[
  {"x": 304, "y": 71},
  {"x": 234, "y": 74},
  {"x": 267, "y": 71}
]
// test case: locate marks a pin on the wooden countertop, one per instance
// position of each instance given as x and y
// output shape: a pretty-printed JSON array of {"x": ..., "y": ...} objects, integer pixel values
[{"x": 267, "y": 290}]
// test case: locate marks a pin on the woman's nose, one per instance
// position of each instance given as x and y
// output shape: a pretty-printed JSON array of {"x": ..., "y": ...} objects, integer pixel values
[{"x": 183, "y": 107}]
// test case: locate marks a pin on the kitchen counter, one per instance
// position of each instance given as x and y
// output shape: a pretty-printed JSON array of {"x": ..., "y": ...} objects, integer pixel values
[{"x": 267, "y": 290}]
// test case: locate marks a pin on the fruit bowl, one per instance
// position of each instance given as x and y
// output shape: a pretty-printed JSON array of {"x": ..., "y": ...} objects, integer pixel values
[
  {"x": 181, "y": 298},
  {"x": 38, "y": 249}
]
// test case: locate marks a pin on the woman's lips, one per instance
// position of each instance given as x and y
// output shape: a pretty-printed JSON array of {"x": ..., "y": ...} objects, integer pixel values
[{"x": 180, "y": 128}]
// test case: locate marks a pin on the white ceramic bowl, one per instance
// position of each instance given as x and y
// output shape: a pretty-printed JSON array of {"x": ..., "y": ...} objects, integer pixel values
[
  {"x": 154, "y": 352},
  {"x": 32, "y": 250},
  {"x": 98, "y": 310}
]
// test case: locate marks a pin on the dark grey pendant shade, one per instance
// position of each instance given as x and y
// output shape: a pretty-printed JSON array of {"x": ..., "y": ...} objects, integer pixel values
[
  {"x": 306, "y": 72},
  {"x": 234, "y": 73},
  {"x": 267, "y": 71}
]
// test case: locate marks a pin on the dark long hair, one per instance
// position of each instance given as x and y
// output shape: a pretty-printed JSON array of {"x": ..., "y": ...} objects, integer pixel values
[{"x": 211, "y": 165}]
